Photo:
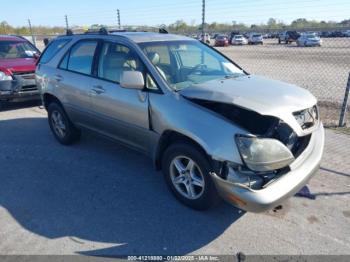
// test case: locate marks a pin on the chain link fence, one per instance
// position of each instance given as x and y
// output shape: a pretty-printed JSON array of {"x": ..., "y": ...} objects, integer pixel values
[{"x": 324, "y": 70}]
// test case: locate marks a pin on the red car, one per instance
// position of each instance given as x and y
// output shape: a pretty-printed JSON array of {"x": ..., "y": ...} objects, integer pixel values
[
  {"x": 17, "y": 69},
  {"x": 221, "y": 40}
]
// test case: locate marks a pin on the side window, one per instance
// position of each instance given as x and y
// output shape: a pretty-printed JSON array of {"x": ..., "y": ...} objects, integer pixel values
[
  {"x": 116, "y": 58},
  {"x": 52, "y": 49},
  {"x": 81, "y": 57},
  {"x": 64, "y": 62}
]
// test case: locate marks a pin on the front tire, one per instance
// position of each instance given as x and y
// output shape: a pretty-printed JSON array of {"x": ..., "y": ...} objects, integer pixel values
[
  {"x": 186, "y": 170},
  {"x": 63, "y": 129}
]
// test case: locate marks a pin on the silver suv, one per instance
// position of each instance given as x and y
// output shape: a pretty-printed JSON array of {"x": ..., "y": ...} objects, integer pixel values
[{"x": 213, "y": 129}]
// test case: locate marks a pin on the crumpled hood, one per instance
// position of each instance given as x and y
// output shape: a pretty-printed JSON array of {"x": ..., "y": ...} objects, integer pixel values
[
  {"x": 259, "y": 94},
  {"x": 18, "y": 64}
]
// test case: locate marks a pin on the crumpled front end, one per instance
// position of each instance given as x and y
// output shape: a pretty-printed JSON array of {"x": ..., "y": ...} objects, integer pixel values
[
  {"x": 22, "y": 87},
  {"x": 258, "y": 192},
  {"x": 280, "y": 149}
]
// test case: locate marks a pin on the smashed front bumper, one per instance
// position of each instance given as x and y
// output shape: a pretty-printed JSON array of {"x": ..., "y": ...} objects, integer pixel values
[
  {"x": 301, "y": 170},
  {"x": 18, "y": 89}
]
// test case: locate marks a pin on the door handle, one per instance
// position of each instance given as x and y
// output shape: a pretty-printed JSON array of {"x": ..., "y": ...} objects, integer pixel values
[
  {"x": 98, "y": 89},
  {"x": 58, "y": 78}
]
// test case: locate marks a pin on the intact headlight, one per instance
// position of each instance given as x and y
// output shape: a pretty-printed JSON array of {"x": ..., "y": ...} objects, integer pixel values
[
  {"x": 263, "y": 154},
  {"x": 4, "y": 77}
]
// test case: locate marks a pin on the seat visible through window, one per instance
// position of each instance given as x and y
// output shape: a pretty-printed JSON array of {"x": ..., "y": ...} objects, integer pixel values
[{"x": 115, "y": 59}]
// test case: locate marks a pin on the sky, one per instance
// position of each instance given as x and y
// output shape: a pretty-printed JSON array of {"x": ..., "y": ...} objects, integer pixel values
[{"x": 156, "y": 12}]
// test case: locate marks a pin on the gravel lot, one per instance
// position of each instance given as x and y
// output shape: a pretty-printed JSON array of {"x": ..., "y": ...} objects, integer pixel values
[
  {"x": 322, "y": 70},
  {"x": 100, "y": 198}
]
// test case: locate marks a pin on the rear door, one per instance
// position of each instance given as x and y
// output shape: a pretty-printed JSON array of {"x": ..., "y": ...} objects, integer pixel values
[
  {"x": 119, "y": 112},
  {"x": 75, "y": 80}
]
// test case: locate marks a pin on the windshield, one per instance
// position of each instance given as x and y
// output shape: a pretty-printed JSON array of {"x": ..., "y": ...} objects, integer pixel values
[
  {"x": 238, "y": 36},
  {"x": 184, "y": 63},
  {"x": 256, "y": 35},
  {"x": 15, "y": 49}
]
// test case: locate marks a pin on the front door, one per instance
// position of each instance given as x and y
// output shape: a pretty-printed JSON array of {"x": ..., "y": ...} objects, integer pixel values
[{"x": 119, "y": 112}]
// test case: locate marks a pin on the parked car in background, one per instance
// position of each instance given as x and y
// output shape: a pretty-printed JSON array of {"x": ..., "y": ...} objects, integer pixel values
[
  {"x": 255, "y": 39},
  {"x": 213, "y": 36},
  {"x": 325, "y": 34},
  {"x": 337, "y": 34},
  {"x": 347, "y": 33},
  {"x": 239, "y": 40},
  {"x": 232, "y": 34},
  {"x": 288, "y": 37},
  {"x": 309, "y": 39},
  {"x": 211, "y": 127},
  {"x": 17, "y": 69},
  {"x": 221, "y": 40},
  {"x": 273, "y": 35}
]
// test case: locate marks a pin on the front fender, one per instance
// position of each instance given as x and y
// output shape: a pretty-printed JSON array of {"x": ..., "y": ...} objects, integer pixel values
[{"x": 214, "y": 134}]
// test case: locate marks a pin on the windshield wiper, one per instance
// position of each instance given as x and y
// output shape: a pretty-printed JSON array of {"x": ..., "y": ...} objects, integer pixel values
[{"x": 232, "y": 76}]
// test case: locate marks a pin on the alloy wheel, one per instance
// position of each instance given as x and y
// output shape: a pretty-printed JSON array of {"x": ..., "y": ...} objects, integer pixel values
[
  {"x": 58, "y": 124},
  {"x": 187, "y": 177}
]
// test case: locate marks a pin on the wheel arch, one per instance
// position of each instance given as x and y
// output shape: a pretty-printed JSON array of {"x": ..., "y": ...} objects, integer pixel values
[
  {"x": 170, "y": 137},
  {"x": 49, "y": 98}
]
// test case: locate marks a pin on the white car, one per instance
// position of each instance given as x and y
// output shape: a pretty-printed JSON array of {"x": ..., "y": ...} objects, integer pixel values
[
  {"x": 310, "y": 39},
  {"x": 255, "y": 39},
  {"x": 239, "y": 40}
]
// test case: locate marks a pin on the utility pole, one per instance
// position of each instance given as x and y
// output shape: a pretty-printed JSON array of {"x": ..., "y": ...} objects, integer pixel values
[
  {"x": 204, "y": 40},
  {"x": 66, "y": 18},
  {"x": 203, "y": 17},
  {"x": 118, "y": 14},
  {"x": 31, "y": 31}
]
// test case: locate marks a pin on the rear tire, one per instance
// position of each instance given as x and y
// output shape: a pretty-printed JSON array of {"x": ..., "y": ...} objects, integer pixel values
[
  {"x": 190, "y": 182},
  {"x": 63, "y": 129}
]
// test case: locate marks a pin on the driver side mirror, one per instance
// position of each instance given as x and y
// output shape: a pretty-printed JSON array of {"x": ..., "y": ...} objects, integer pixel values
[
  {"x": 132, "y": 80},
  {"x": 36, "y": 55}
]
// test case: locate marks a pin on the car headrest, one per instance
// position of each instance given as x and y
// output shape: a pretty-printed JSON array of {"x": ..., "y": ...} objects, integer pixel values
[
  {"x": 154, "y": 57},
  {"x": 115, "y": 59}
]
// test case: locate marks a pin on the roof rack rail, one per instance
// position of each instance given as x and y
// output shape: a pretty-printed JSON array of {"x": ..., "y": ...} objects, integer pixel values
[
  {"x": 103, "y": 31},
  {"x": 108, "y": 30},
  {"x": 163, "y": 31}
]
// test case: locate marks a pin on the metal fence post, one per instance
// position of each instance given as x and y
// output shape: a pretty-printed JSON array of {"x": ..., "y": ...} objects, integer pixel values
[
  {"x": 345, "y": 104},
  {"x": 31, "y": 32}
]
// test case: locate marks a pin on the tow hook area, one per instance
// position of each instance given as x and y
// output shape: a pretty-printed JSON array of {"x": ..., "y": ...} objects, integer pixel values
[{"x": 246, "y": 178}]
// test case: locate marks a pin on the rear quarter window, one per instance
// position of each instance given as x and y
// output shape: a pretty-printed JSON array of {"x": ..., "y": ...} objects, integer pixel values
[{"x": 52, "y": 49}]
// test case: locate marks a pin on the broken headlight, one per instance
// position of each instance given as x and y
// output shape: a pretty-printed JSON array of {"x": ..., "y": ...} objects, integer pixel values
[
  {"x": 4, "y": 77},
  {"x": 263, "y": 154}
]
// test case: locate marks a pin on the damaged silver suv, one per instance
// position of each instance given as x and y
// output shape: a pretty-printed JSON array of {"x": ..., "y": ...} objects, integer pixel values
[{"x": 213, "y": 129}]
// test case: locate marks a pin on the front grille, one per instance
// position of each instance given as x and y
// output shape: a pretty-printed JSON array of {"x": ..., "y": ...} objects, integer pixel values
[
  {"x": 29, "y": 88},
  {"x": 300, "y": 145},
  {"x": 307, "y": 118},
  {"x": 26, "y": 80},
  {"x": 285, "y": 134},
  {"x": 24, "y": 73}
]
